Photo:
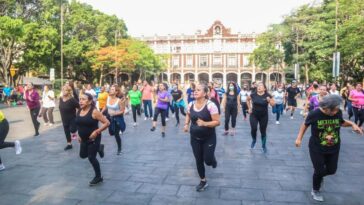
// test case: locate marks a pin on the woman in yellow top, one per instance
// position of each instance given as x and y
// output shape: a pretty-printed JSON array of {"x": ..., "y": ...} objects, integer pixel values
[
  {"x": 4, "y": 129},
  {"x": 102, "y": 98}
]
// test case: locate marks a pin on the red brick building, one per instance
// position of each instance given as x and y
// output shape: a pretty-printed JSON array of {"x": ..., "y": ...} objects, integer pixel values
[{"x": 217, "y": 55}]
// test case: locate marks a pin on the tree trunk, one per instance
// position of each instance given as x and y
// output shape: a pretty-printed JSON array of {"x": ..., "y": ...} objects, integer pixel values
[
  {"x": 101, "y": 75},
  {"x": 306, "y": 74}
]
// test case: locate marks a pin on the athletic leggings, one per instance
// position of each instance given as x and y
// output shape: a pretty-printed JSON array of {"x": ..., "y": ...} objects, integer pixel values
[
  {"x": 34, "y": 115},
  {"x": 231, "y": 111},
  {"x": 136, "y": 110},
  {"x": 262, "y": 119},
  {"x": 163, "y": 113},
  {"x": 177, "y": 109},
  {"x": 350, "y": 109},
  {"x": 324, "y": 164},
  {"x": 4, "y": 129},
  {"x": 117, "y": 124},
  {"x": 359, "y": 116},
  {"x": 69, "y": 126},
  {"x": 244, "y": 108},
  {"x": 204, "y": 152},
  {"x": 89, "y": 149}
]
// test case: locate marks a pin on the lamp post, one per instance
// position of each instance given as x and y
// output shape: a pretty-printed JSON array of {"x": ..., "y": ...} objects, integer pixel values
[{"x": 117, "y": 34}]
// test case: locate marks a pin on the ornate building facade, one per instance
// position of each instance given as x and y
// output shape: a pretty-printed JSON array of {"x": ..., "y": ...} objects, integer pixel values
[{"x": 217, "y": 55}]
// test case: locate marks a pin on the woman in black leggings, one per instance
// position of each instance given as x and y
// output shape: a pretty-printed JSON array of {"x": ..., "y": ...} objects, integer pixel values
[
  {"x": 258, "y": 109},
  {"x": 202, "y": 117},
  {"x": 178, "y": 102},
  {"x": 68, "y": 106},
  {"x": 324, "y": 144},
  {"x": 87, "y": 121},
  {"x": 231, "y": 106},
  {"x": 4, "y": 129}
]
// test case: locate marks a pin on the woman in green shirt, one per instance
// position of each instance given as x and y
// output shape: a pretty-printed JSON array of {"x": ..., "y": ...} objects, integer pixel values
[{"x": 135, "y": 97}]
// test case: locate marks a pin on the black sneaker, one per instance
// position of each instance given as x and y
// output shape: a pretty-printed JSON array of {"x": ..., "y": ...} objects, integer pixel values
[
  {"x": 36, "y": 134},
  {"x": 153, "y": 129},
  {"x": 101, "y": 151},
  {"x": 96, "y": 181},
  {"x": 163, "y": 134},
  {"x": 119, "y": 152},
  {"x": 68, "y": 147},
  {"x": 202, "y": 186},
  {"x": 253, "y": 144}
]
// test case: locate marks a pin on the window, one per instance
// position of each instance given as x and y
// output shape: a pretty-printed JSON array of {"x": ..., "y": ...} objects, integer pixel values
[
  {"x": 175, "y": 61},
  {"x": 203, "y": 61},
  {"x": 246, "y": 61},
  {"x": 232, "y": 61},
  {"x": 217, "y": 60},
  {"x": 189, "y": 61}
]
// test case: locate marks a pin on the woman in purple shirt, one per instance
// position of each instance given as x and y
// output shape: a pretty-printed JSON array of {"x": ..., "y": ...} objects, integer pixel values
[
  {"x": 161, "y": 107},
  {"x": 32, "y": 98},
  {"x": 314, "y": 101}
]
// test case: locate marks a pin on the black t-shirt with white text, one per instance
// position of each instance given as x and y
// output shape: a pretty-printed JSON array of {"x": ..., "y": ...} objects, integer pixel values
[
  {"x": 325, "y": 131},
  {"x": 292, "y": 92},
  {"x": 176, "y": 94}
]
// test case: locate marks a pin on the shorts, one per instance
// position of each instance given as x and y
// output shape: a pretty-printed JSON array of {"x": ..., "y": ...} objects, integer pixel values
[{"x": 292, "y": 102}]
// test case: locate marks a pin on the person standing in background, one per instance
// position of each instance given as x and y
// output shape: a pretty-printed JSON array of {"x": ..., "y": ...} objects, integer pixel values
[
  {"x": 32, "y": 98},
  {"x": 147, "y": 96}
]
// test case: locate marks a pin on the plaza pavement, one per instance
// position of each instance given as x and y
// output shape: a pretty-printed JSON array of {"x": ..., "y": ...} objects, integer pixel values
[{"x": 156, "y": 171}]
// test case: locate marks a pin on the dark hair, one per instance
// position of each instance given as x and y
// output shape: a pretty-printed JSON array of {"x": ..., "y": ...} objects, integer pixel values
[
  {"x": 193, "y": 85},
  {"x": 90, "y": 98},
  {"x": 315, "y": 86},
  {"x": 205, "y": 89},
  {"x": 235, "y": 88}
]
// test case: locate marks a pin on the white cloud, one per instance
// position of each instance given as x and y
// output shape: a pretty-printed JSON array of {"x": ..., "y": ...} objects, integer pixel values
[{"x": 162, "y": 17}]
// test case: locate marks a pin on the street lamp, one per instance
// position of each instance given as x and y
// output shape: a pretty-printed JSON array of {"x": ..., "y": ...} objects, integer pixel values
[{"x": 117, "y": 34}]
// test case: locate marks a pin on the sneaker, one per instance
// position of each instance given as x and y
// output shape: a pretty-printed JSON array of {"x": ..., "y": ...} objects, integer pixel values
[
  {"x": 153, "y": 129},
  {"x": 226, "y": 133},
  {"x": 18, "y": 148},
  {"x": 163, "y": 134},
  {"x": 101, "y": 151},
  {"x": 68, "y": 147},
  {"x": 253, "y": 144},
  {"x": 135, "y": 124},
  {"x": 50, "y": 124},
  {"x": 291, "y": 117},
  {"x": 36, "y": 134},
  {"x": 46, "y": 124},
  {"x": 278, "y": 123},
  {"x": 232, "y": 133},
  {"x": 264, "y": 150},
  {"x": 2, "y": 167},
  {"x": 145, "y": 118},
  {"x": 202, "y": 186},
  {"x": 317, "y": 196},
  {"x": 96, "y": 181},
  {"x": 119, "y": 152},
  {"x": 151, "y": 119}
]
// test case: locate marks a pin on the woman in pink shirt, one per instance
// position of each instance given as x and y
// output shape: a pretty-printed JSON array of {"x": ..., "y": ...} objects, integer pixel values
[
  {"x": 357, "y": 99},
  {"x": 147, "y": 92}
]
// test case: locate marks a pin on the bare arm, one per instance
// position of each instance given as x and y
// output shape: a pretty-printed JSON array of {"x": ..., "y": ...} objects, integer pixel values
[
  {"x": 213, "y": 123},
  {"x": 300, "y": 135},
  {"x": 97, "y": 115},
  {"x": 248, "y": 103}
]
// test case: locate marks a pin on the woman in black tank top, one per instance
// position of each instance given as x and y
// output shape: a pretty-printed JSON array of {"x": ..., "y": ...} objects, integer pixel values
[
  {"x": 87, "y": 120},
  {"x": 202, "y": 116},
  {"x": 231, "y": 106}
]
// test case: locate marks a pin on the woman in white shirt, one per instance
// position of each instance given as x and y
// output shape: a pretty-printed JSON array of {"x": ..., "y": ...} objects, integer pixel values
[
  {"x": 48, "y": 104},
  {"x": 278, "y": 97},
  {"x": 244, "y": 93}
]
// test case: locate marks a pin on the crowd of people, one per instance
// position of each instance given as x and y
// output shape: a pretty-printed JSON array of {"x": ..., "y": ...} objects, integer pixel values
[{"x": 88, "y": 111}]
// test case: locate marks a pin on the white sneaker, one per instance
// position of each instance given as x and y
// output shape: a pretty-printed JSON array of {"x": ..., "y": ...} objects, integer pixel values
[
  {"x": 50, "y": 124},
  {"x": 291, "y": 117},
  {"x": 145, "y": 118},
  {"x": 151, "y": 119},
  {"x": 167, "y": 119},
  {"x": 2, "y": 167},
  {"x": 45, "y": 124},
  {"x": 135, "y": 124},
  {"x": 317, "y": 196},
  {"x": 18, "y": 148},
  {"x": 278, "y": 123}
]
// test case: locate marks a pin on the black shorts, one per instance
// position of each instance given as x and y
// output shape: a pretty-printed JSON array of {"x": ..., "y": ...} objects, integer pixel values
[{"x": 292, "y": 102}]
